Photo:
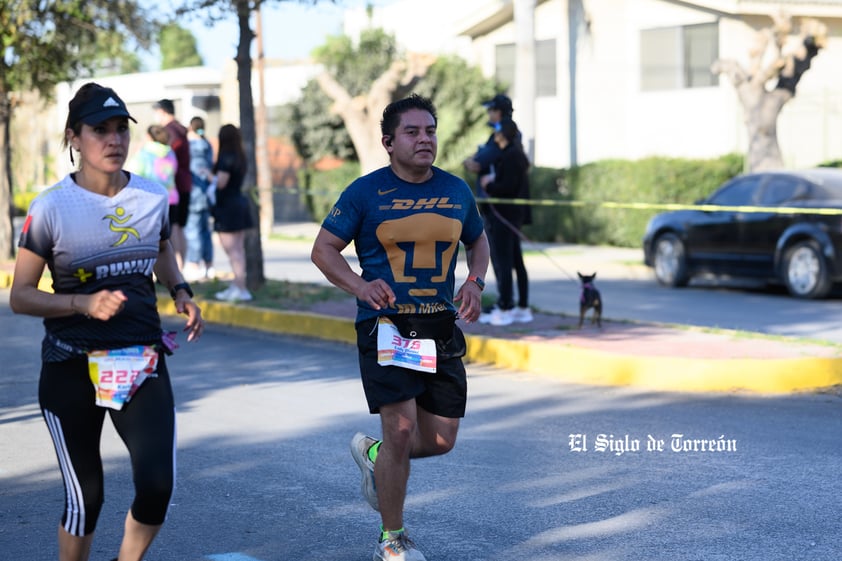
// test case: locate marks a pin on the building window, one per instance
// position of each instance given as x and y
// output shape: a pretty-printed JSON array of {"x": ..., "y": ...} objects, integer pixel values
[
  {"x": 679, "y": 57},
  {"x": 545, "y": 67}
]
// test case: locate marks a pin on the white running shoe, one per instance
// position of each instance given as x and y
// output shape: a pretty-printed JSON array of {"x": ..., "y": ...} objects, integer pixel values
[
  {"x": 485, "y": 317},
  {"x": 243, "y": 295},
  {"x": 522, "y": 315},
  {"x": 501, "y": 317},
  {"x": 226, "y": 295},
  {"x": 359, "y": 450},
  {"x": 234, "y": 294},
  {"x": 397, "y": 547}
]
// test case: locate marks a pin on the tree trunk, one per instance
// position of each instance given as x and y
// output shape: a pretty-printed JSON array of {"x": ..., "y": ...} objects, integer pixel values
[
  {"x": 761, "y": 106},
  {"x": 255, "y": 278},
  {"x": 361, "y": 118},
  {"x": 762, "y": 112},
  {"x": 362, "y": 114},
  {"x": 7, "y": 233}
]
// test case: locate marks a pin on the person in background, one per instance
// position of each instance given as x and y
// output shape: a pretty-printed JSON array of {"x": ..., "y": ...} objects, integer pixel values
[
  {"x": 509, "y": 180},
  {"x": 103, "y": 232},
  {"x": 498, "y": 108},
  {"x": 482, "y": 163},
  {"x": 231, "y": 212},
  {"x": 408, "y": 254},
  {"x": 165, "y": 113},
  {"x": 198, "y": 263},
  {"x": 156, "y": 161}
]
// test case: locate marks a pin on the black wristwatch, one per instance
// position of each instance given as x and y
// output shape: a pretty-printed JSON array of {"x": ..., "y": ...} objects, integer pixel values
[
  {"x": 181, "y": 286},
  {"x": 478, "y": 281}
]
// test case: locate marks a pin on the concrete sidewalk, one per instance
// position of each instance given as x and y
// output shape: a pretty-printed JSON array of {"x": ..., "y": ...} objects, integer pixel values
[{"x": 655, "y": 356}]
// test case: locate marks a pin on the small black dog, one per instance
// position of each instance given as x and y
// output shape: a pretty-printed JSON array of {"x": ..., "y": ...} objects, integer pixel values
[{"x": 590, "y": 298}]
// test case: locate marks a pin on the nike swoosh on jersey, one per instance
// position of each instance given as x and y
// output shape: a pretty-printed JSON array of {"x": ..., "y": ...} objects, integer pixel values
[{"x": 386, "y": 192}]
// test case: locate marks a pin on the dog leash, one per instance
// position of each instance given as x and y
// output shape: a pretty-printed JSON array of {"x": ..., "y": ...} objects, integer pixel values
[{"x": 534, "y": 244}]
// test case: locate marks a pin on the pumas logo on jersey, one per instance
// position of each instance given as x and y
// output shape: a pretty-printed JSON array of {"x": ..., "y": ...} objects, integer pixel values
[
  {"x": 420, "y": 204},
  {"x": 118, "y": 219}
]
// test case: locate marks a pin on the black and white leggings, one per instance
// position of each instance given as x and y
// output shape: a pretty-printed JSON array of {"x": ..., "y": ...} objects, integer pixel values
[{"x": 146, "y": 425}]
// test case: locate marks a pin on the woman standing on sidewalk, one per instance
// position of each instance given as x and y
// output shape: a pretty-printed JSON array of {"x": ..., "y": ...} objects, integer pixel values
[
  {"x": 102, "y": 232},
  {"x": 508, "y": 180},
  {"x": 231, "y": 213}
]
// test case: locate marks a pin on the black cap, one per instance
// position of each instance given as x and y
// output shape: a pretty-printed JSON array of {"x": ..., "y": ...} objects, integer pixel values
[
  {"x": 166, "y": 105},
  {"x": 103, "y": 105},
  {"x": 499, "y": 102}
]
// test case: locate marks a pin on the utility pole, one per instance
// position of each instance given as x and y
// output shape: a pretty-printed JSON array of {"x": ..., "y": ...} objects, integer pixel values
[
  {"x": 525, "y": 72},
  {"x": 575, "y": 27},
  {"x": 264, "y": 170}
]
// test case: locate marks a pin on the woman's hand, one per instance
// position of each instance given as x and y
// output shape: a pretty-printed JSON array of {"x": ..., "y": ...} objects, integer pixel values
[
  {"x": 102, "y": 305},
  {"x": 195, "y": 324}
]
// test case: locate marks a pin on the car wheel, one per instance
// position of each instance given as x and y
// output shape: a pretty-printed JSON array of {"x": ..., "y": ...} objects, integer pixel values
[
  {"x": 805, "y": 271},
  {"x": 670, "y": 261}
]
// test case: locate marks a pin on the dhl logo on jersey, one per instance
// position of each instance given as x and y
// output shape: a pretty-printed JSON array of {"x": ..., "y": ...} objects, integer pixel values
[{"x": 430, "y": 203}]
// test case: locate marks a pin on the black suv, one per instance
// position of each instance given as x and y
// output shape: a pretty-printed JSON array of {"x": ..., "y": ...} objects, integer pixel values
[{"x": 789, "y": 244}]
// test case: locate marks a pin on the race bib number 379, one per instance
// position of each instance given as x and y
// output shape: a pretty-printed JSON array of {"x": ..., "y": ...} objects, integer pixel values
[{"x": 395, "y": 349}]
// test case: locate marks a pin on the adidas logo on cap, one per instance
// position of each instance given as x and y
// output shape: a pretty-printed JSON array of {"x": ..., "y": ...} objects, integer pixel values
[{"x": 111, "y": 102}]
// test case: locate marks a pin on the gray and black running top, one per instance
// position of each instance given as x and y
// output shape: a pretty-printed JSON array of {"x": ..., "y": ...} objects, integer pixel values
[{"x": 93, "y": 242}]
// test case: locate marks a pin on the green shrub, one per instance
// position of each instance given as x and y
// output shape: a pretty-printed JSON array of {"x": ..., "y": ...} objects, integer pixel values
[
  {"x": 585, "y": 220},
  {"x": 582, "y": 216}
]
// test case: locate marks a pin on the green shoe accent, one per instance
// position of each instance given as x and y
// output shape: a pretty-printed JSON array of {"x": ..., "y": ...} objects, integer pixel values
[
  {"x": 388, "y": 534},
  {"x": 373, "y": 450}
]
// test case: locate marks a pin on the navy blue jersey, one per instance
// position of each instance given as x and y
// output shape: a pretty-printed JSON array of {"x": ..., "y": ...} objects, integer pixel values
[
  {"x": 92, "y": 242},
  {"x": 407, "y": 234}
]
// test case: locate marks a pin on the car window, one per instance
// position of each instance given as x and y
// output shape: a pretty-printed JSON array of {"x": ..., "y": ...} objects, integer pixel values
[
  {"x": 778, "y": 190},
  {"x": 742, "y": 191}
]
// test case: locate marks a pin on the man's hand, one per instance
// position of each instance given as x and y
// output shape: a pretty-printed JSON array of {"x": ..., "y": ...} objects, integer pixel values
[
  {"x": 469, "y": 298},
  {"x": 377, "y": 294}
]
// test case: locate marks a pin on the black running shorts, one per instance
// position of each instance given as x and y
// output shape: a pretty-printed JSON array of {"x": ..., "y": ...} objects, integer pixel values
[
  {"x": 179, "y": 212},
  {"x": 443, "y": 393}
]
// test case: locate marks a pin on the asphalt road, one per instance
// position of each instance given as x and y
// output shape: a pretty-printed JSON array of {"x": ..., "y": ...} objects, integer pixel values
[{"x": 265, "y": 473}]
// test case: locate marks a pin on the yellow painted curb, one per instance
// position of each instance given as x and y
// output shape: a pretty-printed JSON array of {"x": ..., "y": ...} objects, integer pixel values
[
  {"x": 273, "y": 321},
  {"x": 587, "y": 366}
]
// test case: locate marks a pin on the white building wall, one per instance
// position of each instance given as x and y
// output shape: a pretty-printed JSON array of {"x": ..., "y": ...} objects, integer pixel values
[{"x": 686, "y": 123}]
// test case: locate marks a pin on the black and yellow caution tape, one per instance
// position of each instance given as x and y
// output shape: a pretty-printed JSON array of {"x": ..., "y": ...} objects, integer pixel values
[
  {"x": 667, "y": 206},
  {"x": 826, "y": 211}
]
